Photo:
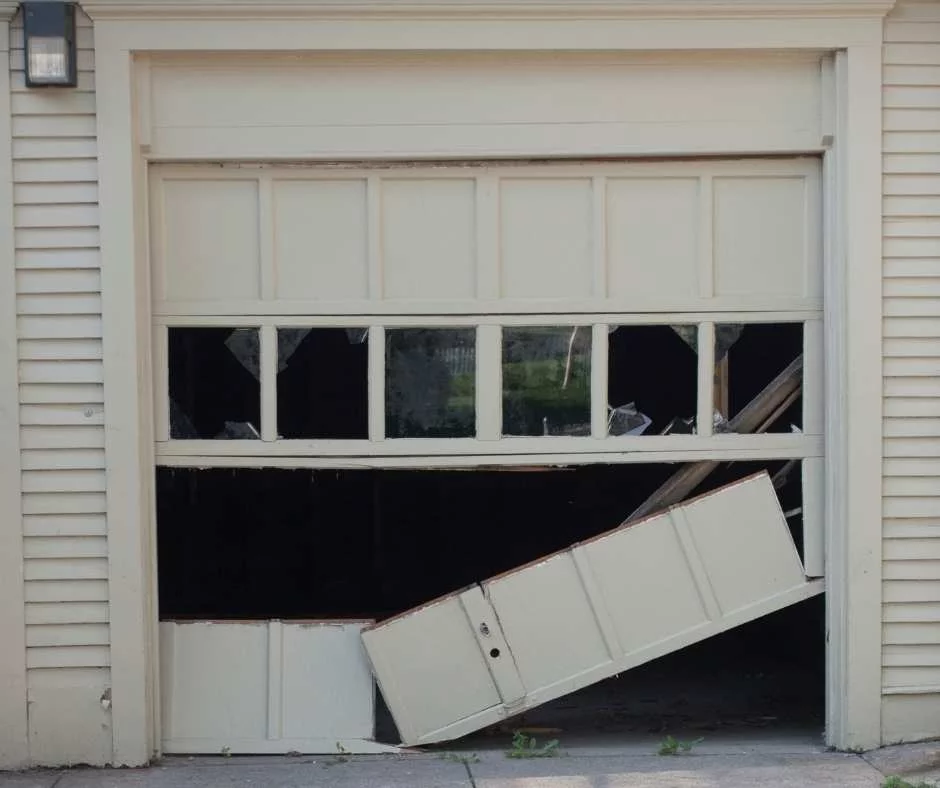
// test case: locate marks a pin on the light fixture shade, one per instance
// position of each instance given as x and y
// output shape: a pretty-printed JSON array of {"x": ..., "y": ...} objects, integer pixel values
[{"x": 49, "y": 44}]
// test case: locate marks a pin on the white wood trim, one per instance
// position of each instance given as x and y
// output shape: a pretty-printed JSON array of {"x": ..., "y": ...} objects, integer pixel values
[
  {"x": 599, "y": 361},
  {"x": 814, "y": 377},
  {"x": 157, "y": 234},
  {"x": 275, "y": 678},
  {"x": 144, "y": 101},
  {"x": 520, "y": 33},
  {"x": 703, "y": 586},
  {"x": 125, "y": 316},
  {"x": 853, "y": 404},
  {"x": 814, "y": 517},
  {"x": 268, "y": 382},
  {"x": 758, "y": 307},
  {"x": 704, "y": 421},
  {"x": 14, "y": 743},
  {"x": 599, "y": 209},
  {"x": 266, "y": 258},
  {"x": 279, "y": 747},
  {"x": 489, "y": 383},
  {"x": 373, "y": 238},
  {"x": 706, "y": 248},
  {"x": 428, "y": 461},
  {"x": 161, "y": 384},
  {"x": 487, "y": 251},
  {"x": 377, "y": 384},
  {"x": 582, "y": 9},
  {"x": 771, "y": 445},
  {"x": 316, "y": 319},
  {"x": 561, "y": 168}
]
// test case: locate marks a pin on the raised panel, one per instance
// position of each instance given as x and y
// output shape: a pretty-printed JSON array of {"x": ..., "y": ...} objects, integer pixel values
[
  {"x": 745, "y": 545},
  {"x": 428, "y": 238},
  {"x": 320, "y": 239},
  {"x": 434, "y": 648},
  {"x": 216, "y": 676},
  {"x": 210, "y": 240},
  {"x": 628, "y": 580},
  {"x": 652, "y": 237},
  {"x": 547, "y": 237},
  {"x": 328, "y": 687},
  {"x": 547, "y": 620},
  {"x": 760, "y": 236}
]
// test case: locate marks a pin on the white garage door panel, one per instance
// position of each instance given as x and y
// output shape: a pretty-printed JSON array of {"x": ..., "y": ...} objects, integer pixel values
[
  {"x": 265, "y": 687},
  {"x": 653, "y": 219},
  {"x": 210, "y": 240},
  {"x": 481, "y": 105},
  {"x": 608, "y": 237},
  {"x": 320, "y": 239},
  {"x": 587, "y": 613},
  {"x": 428, "y": 238}
]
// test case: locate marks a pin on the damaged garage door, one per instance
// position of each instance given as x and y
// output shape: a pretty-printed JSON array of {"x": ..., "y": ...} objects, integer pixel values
[{"x": 547, "y": 629}]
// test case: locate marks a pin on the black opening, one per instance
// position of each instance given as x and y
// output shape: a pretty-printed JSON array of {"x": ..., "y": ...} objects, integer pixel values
[
  {"x": 656, "y": 369},
  {"x": 323, "y": 383},
  {"x": 214, "y": 383}
]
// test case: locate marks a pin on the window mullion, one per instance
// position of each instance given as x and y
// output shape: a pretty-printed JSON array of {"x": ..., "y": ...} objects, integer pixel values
[
  {"x": 599, "y": 409},
  {"x": 268, "y": 375},
  {"x": 376, "y": 383},
  {"x": 704, "y": 421},
  {"x": 489, "y": 383}
]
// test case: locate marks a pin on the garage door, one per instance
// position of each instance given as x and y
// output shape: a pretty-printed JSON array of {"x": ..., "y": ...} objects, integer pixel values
[{"x": 467, "y": 314}]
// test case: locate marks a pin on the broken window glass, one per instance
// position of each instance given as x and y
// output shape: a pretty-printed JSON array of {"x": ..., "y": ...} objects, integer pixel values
[
  {"x": 323, "y": 383},
  {"x": 758, "y": 377},
  {"x": 430, "y": 383},
  {"x": 652, "y": 379},
  {"x": 214, "y": 385},
  {"x": 547, "y": 380}
]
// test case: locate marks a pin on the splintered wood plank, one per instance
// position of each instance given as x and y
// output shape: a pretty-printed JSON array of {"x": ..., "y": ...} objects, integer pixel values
[{"x": 755, "y": 417}]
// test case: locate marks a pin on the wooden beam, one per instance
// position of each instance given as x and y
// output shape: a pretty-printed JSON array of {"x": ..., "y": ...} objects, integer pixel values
[{"x": 754, "y": 417}]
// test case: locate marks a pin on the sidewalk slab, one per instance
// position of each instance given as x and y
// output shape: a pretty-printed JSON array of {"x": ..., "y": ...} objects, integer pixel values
[
  {"x": 921, "y": 759},
  {"x": 322, "y": 773},
  {"x": 28, "y": 779},
  {"x": 833, "y": 770}
]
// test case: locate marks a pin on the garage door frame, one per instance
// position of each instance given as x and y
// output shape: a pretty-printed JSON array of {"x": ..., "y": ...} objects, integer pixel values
[{"x": 852, "y": 181}]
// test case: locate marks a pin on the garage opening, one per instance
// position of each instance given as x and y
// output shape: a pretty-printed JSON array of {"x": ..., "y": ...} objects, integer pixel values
[{"x": 429, "y": 379}]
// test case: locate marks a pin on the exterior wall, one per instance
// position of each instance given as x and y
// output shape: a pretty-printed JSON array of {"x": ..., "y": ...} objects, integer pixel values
[
  {"x": 58, "y": 309},
  {"x": 911, "y": 585}
]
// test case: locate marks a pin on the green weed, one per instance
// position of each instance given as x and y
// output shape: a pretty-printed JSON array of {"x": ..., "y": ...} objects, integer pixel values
[
  {"x": 896, "y": 782},
  {"x": 527, "y": 747},
  {"x": 672, "y": 746}
]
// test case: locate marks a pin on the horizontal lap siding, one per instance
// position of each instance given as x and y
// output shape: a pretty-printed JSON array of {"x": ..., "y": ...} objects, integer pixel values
[
  {"x": 58, "y": 287},
  {"x": 911, "y": 655}
]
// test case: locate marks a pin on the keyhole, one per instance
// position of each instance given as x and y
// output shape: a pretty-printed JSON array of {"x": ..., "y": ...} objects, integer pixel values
[
  {"x": 484, "y": 630},
  {"x": 494, "y": 653}
]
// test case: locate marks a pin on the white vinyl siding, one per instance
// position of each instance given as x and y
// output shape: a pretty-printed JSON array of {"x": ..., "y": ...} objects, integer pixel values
[
  {"x": 65, "y": 546},
  {"x": 911, "y": 656}
]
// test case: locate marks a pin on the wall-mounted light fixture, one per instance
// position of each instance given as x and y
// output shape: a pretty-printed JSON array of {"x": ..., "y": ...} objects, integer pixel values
[{"x": 49, "y": 44}]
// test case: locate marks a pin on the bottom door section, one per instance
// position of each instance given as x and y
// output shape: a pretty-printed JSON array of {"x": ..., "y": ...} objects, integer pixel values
[{"x": 265, "y": 687}]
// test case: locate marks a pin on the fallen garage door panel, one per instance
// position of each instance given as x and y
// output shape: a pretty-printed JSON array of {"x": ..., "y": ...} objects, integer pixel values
[{"x": 576, "y": 617}]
